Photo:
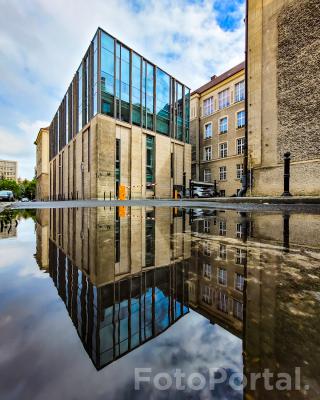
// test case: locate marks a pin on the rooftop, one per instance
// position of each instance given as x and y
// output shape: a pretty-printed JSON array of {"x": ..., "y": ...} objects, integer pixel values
[{"x": 217, "y": 79}]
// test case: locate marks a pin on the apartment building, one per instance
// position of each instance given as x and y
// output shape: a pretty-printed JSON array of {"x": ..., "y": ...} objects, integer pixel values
[
  {"x": 8, "y": 169},
  {"x": 283, "y": 95},
  {"x": 123, "y": 123},
  {"x": 42, "y": 164},
  {"x": 217, "y": 130}
]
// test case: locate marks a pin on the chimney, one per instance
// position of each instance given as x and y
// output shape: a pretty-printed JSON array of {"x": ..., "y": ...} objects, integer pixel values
[{"x": 213, "y": 77}]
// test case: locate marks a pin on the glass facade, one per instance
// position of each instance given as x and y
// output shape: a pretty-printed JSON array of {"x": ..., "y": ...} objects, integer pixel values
[
  {"x": 163, "y": 102},
  {"x": 136, "y": 89},
  {"x": 107, "y": 75},
  {"x": 114, "y": 80},
  {"x": 179, "y": 109},
  {"x": 150, "y": 158}
]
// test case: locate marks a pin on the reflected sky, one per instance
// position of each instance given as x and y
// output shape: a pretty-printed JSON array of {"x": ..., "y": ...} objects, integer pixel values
[{"x": 44, "y": 350}]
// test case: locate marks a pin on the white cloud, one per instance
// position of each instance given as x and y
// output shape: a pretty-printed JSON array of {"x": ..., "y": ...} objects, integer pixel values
[
  {"x": 19, "y": 145},
  {"x": 42, "y": 42}
]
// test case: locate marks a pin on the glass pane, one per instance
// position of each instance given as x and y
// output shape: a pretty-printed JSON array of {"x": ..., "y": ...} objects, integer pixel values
[
  {"x": 136, "y": 91},
  {"x": 179, "y": 108},
  {"x": 163, "y": 102},
  {"x": 107, "y": 75}
]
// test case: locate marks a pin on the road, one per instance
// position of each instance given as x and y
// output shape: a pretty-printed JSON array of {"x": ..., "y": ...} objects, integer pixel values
[{"x": 237, "y": 206}]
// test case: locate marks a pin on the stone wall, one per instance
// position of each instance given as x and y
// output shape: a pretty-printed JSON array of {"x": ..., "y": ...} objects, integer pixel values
[
  {"x": 87, "y": 163},
  {"x": 298, "y": 79}
]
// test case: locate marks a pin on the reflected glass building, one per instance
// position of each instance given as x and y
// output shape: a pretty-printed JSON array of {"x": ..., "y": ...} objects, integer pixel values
[
  {"x": 119, "y": 289},
  {"x": 127, "y": 275}
]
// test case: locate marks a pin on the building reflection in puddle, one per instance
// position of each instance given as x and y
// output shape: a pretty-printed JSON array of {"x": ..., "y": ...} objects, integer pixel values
[
  {"x": 270, "y": 263},
  {"x": 119, "y": 274},
  {"x": 126, "y": 275}
]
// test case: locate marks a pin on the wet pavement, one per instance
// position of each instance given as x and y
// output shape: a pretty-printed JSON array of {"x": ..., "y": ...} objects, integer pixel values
[
  {"x": 115, "y": 302},
  {"x": 248, "y": 204}
]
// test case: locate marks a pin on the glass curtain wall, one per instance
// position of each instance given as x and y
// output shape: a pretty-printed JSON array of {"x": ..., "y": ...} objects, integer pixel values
[
  {"x": 107, "y": 75},
  {"x": 149, "y": 95},
  {"x": 136, "y": 89},
  {"x": 163, "y": 102},
  {"x": 79, "y": 103},
  {"x": 79, "y": 127},
  {"x": 179, "y": 112},
  {"x": 187, "y": 114},
  {"x": 95, "y": 75},
  {"x": 125, "y": 85},
  {"x": 142, "y": 94},
  {"x": 70, "y": 113},
  {"x": 150, "y": 161}
]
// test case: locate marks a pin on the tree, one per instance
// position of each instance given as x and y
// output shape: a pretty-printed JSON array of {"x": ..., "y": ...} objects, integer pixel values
[
  {"x": 22, "y": 189},
  {"x": 29, "y": 189},
  {"x": 9, "y": 184}
]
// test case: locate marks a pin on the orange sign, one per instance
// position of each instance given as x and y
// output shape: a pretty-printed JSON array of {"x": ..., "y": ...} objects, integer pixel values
[
  {"x": 122, "y": 192},
  {"x": 122, "y": 211}
]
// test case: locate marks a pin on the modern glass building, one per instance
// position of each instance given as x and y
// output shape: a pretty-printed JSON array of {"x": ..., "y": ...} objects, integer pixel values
[{"x": 115, "y": 81}]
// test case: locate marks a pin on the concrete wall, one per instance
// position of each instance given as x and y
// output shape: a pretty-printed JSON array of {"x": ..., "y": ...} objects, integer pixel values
[
  {"x": 42, "y": 164},
  {"x": 283, "y": 95},
  {"x": 88, "y": 162}
]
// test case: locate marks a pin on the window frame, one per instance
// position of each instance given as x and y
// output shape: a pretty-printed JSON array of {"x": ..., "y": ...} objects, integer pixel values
[
  {"x": 222, "y": 228},
  {"x": 239, "y": 176},
  {"x": 237, "y": 311},
  {"x": 207, "y": 270},
  {"x": 224, "y": 103},
  {"x": 244, "y": 119},
  {"x": 226, "y": 131},
  {"x": 205, "y": 153},
  {"x": 206, "y": 107},
  {"x": 223, "y": 150},
  {"x": 240, "y": 146},
  {"x": 236, "y": 100},
  {"x": 225, "y": 173},
  {"x": 240, "y": 287},
  {"x": 205, "y": 137},
  {"x": 204, "y": 175}
]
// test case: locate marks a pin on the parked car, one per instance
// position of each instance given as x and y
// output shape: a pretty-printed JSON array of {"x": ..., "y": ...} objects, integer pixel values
[
  {"x": 25, "y": 199},
  {"x": 204, "y": 192},
  {"x": 6, "y": 195}
]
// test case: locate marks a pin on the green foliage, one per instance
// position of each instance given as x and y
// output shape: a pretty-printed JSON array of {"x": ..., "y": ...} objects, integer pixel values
[
  {"x": 29, "y": 189},
  {"x": 8, "y": 184},
  {"x": 23, "y": 189}
]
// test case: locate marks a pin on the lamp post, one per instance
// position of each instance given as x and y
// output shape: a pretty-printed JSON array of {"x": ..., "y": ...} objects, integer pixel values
[{"x": 286, "y": 174}]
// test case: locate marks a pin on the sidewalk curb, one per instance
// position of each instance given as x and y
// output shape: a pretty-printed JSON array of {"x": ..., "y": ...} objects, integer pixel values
[{"x": 259, "y": 200}]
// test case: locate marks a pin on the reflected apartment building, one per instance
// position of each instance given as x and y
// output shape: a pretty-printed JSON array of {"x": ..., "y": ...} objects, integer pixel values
[
  {"x": 217, "y": 268},
  {"x": 121, "y": 274},
  {"x": 123, "y": 121},
  {"x": 256, "y": 275}
]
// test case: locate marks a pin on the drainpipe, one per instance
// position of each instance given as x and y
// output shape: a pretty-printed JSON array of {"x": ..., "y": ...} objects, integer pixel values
[
  {"x": 198, "y": 144},
  {"x": 244, "y": 188}
]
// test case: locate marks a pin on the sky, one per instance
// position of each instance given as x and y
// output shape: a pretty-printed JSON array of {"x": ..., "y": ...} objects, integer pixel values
[{"x": 42, "y": 43}]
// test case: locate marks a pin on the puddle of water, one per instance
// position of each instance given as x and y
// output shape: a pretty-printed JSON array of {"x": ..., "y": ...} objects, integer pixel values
[{"x": 87, "y": 296}]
